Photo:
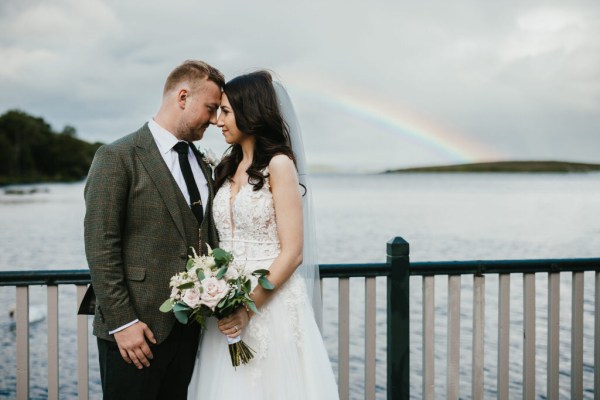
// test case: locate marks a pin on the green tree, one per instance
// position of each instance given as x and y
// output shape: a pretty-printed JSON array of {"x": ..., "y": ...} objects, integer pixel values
[{"x": 31, "y": 151}]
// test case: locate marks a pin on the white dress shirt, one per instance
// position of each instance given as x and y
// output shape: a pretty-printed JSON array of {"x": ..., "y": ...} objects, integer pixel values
[{"x": 165, "y": 141}]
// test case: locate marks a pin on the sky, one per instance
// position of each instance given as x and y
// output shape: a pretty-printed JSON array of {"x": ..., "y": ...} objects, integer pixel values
[{"x": 376, "y": 85}]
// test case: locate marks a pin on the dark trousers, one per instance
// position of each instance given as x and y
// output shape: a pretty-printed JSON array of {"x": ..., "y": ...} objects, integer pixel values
[{"x": 167, "y": 377}]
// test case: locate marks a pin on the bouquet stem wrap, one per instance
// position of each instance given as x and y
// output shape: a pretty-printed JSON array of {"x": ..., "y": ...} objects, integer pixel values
[{"x": 239, "y": 351}]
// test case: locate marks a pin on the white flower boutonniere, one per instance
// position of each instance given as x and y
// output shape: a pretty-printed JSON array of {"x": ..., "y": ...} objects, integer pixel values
[{"x": 209, "y": 157}]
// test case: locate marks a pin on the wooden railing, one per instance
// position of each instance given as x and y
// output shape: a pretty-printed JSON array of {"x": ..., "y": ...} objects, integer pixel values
[{"x": 398, "y": 271}]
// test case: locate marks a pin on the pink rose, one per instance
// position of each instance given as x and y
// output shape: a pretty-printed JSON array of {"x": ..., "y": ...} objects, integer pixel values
[
  {"x": 213, "y": 292},
  {"x": 191, "y": 297}
]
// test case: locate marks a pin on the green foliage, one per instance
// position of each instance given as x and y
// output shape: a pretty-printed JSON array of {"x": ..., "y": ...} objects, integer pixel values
[
  {"x": 167, "y": 306},
  {"x": 262, "y": 279},
  {"x": 30, "y": 151},
  {"x": 182, "y": 313},
  {"x": 222, "y": 257},
  {"x": 189, "y": 264}
]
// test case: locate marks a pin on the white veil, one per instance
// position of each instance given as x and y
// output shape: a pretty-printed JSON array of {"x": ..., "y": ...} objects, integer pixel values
[{"x": 309, "y": 270}]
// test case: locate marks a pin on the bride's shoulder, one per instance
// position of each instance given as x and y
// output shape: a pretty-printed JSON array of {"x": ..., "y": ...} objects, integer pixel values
[
  {"x": 281, "y": 164},
  {"x": 282, "y": 171}
]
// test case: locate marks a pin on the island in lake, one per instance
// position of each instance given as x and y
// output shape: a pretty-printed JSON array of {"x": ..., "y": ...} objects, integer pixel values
[
  {"x": 31, "y": 151},
  {"x": 507, "y": 167}
]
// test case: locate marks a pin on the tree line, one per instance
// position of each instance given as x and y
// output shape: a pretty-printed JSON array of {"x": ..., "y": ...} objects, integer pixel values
[{"x": 30, "y": 151}]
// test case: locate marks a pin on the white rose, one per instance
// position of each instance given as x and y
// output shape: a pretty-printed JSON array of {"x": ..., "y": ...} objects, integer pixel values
[
  {"x": 231, "y": 273},
  {"x": 213, "y": 292},
  {"x": 191, "y": 297},
  {"x": 175, "y": 293}
]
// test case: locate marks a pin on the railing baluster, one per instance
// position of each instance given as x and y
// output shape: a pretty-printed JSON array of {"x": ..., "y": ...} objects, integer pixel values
[
  {"x": 370, "y": 337},
  {"x": 503, "y": 335},
  {"x": 52, "y": 293},
  {"x": 529, "y": 336},
  {"x": 428, "y": 337},
  {"x": 453, "y": 336},
  {"x": 344, "y": 338},
  {"x": 577, "y": 336},
  {"x": 22, "y": 317},
  {"x": 82, "y": 349},
  {"x": 553, "y": 335},
  {"x": 597, "y": 336},
  {"x": 478, "y": 333}
]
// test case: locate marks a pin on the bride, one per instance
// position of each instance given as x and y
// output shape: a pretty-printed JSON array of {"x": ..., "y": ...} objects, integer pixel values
[{"x": 260, "y": 216}]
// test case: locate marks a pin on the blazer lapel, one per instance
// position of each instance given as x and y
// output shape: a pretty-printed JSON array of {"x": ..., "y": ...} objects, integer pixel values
[{"x": 158, "y": 171}]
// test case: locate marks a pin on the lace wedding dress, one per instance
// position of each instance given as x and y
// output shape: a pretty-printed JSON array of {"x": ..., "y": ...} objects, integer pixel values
[{"x": 290, "y": 360}]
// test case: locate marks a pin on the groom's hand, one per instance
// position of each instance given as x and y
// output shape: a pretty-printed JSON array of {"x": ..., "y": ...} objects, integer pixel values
[{"x": 133, "y": 346}]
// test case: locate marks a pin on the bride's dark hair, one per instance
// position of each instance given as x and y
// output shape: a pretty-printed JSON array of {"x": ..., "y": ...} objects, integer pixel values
[{"x": 254, "y": 103}]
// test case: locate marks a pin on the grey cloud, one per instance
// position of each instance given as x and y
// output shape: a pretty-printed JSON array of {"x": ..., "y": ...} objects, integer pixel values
[{"x": 515, "y": 76}]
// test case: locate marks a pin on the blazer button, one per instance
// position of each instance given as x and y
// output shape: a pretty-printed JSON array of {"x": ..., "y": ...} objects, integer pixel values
[{"x": 183, "y": 256}]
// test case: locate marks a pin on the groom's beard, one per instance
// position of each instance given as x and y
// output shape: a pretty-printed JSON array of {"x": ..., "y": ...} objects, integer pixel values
[{"x": 191, "y": 134}]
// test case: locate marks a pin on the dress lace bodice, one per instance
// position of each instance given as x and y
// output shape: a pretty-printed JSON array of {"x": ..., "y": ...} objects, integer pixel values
[{"x": 246, "y": 223}]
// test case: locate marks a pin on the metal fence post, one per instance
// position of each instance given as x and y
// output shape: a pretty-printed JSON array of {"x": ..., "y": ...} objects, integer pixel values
[{"x": 398, "y": 346}]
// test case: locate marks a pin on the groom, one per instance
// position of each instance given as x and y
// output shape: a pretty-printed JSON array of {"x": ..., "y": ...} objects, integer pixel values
[{"x": 148, "y": 201}]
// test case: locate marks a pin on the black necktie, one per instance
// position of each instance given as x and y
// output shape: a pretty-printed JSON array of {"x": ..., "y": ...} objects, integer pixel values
[{"x": 183, "y": 149}]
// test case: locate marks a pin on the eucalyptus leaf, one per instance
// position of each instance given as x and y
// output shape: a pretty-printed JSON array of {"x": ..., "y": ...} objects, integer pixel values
[
  {"x": 221, "y": 272},
  {"x": 252, "y": 307},
  {"x": 187, "y": 285},
  {"x": 261, "y": 272},
  {"x": 189, "y": 264},
  {"x": 200, "y": 274},
  {"x": 181, "y": 307},
  {"x": 222, "y": 257},
  {"x": 181, "y": 316},
  {"x": 265, "y": 283},
  {"x": 167, "y": 306}
]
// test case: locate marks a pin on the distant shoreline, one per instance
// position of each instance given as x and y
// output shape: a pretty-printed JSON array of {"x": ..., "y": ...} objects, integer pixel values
[{"x": 506, "y": 167}]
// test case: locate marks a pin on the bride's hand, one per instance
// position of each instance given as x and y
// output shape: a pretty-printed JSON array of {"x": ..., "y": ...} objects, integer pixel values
[{"x": 233, "y": 325}]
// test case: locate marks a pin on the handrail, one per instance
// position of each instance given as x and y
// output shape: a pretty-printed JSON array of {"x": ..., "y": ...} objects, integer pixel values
[
  {"x": 349, "y": 270},
  {"x": 480, "y": 267}
]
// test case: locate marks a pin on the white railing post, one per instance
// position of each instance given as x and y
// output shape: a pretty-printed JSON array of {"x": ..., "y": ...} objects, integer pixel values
[
  {"x": 370, "y": 337},
  {"x": 553, "y": 335},
  {"x": 22, "y": 317},
  {"x": 529, "y": 336},
  {"x": 503, "y": 335},
  {"x": 344, "y": 338},
  {"x": 82, "y": 349},
  {"x": 53, "y": 378},
  {"x": 577, "y": 336},
  {"x": 597, "y": 335},
  {"x": 428, "y": 337},
  {"x": 453, "y": 366},
  {"x": 478, "y": 334}
]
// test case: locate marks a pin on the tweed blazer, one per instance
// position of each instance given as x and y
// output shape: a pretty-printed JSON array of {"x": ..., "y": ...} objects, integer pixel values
[{"x": 139, "y": 231}]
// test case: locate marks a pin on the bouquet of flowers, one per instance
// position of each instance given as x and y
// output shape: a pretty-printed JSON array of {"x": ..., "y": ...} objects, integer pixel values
[{"x": 211, "y": 286}]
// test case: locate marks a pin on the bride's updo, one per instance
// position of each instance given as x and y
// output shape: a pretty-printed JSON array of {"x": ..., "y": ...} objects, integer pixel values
[{"x": 254, "y": 103}]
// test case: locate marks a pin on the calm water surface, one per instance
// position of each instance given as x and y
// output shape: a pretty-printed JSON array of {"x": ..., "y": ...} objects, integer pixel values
[{"x": 442, "y": 216}]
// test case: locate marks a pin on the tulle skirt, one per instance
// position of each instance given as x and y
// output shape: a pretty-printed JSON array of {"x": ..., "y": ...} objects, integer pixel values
[{"x": 290, "y": 362}]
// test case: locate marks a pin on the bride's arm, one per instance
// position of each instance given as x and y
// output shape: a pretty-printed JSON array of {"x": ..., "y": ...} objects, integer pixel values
[
  {"x": 285, "y": 188},
  {"x": 288, "y": 215}
]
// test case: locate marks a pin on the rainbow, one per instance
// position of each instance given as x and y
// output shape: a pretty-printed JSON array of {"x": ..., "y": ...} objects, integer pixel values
[{"x": 451, "y": 146}]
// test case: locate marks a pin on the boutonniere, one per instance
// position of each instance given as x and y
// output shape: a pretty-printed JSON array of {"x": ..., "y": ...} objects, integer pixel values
[{"x": 209, "y": 157}]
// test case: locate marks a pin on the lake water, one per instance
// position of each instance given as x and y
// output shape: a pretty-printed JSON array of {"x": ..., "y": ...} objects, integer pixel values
[{"x": 442, "y": 216}]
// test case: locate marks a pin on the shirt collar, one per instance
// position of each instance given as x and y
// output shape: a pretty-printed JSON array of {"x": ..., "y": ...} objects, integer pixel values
[{"x": 165, "y": 140}]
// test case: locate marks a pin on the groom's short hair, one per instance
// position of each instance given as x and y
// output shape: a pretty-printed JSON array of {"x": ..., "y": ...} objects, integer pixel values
[{"x": 193, "y": 71}]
